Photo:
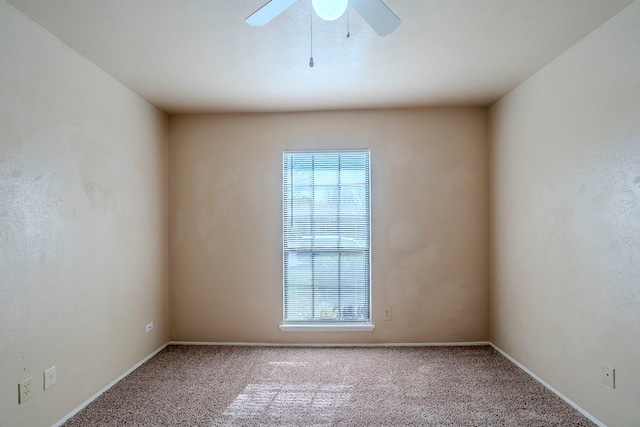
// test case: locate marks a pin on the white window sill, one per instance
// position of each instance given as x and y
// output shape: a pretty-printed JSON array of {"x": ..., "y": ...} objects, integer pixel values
[{"x": 324, "y": 327}]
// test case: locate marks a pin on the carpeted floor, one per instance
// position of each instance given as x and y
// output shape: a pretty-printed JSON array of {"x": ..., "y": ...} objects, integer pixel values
[{"x": 288, "y": 386}]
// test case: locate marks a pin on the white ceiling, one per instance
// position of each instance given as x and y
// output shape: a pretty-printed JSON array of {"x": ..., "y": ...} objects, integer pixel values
[{"x": 200, "y": 56}]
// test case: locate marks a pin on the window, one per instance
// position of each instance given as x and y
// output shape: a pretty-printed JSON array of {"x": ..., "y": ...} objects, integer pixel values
[{"x": 326, "y": 238}]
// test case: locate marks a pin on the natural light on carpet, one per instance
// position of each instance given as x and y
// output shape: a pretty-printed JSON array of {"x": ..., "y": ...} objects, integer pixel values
[{"x": 277, "y": 399}]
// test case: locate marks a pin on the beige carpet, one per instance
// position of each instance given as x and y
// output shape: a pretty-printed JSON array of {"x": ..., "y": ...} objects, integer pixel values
[{"x": 285, "y": 386}]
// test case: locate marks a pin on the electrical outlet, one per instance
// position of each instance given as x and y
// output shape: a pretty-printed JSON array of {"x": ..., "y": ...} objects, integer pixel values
[
  {"x": 609, "y": 376},
  {"x": 25, "y": 390},
  {"x": 148, "y": 327},
  {"x": 49, "y": 377},
  {"x": 386, "y": 313}
]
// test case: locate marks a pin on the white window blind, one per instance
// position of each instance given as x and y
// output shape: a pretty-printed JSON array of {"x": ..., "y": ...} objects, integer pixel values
[{"x": 326, "y": 236}]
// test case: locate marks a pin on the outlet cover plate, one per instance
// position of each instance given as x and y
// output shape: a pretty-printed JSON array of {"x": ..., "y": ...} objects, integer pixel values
[
  {"x": 148, "y": 327},
  {"x": 25, "y": 390},
  {"x": 609, "y": 376},
  {"x": 49, "y": 377}
]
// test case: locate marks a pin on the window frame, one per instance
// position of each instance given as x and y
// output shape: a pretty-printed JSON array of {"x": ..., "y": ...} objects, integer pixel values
[{"x": 326, "y": 324}]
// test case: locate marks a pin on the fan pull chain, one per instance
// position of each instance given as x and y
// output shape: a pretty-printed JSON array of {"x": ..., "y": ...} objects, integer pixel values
[
  {"x": 311, "y": 35},
  {"x": 348, "y": 24}
]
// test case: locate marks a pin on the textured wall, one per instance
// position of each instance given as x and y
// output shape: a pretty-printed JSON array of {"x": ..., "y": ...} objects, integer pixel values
[
  {"x": 82, "y": 224},
  {"x": 429, "y": 222},
  {"x": 565, "y": 292}
]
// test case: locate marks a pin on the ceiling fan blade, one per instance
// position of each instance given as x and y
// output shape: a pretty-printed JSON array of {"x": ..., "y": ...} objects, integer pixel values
[
  {"x": 269, "y": 11},
  {"x": 377, "y": 14}
]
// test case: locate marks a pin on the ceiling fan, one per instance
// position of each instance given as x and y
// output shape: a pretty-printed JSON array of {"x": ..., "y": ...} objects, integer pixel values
[{"x": 375, "y": 12}]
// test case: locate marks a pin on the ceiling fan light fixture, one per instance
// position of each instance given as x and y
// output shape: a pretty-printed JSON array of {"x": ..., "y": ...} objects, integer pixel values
[{"x": 330, "y": 10}]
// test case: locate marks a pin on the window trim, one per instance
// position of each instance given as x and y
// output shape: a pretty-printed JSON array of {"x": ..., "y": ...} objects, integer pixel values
[
  {"x": 324, "y": 325},
  {"x": 327, "y": 327}
]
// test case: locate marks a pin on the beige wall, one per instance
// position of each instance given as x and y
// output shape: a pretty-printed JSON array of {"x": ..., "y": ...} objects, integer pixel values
[
  {"x": 565, "y": 294},
  {"x": 429, "y": 222},
  {"x": 82, "y": 224}
]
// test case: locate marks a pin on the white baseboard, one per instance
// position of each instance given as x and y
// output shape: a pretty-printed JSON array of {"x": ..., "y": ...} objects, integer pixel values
[
  {"x": 107, "y": 387},
  {"x": 252, "y": 344},
  {"x": 550, "y": 387}
]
